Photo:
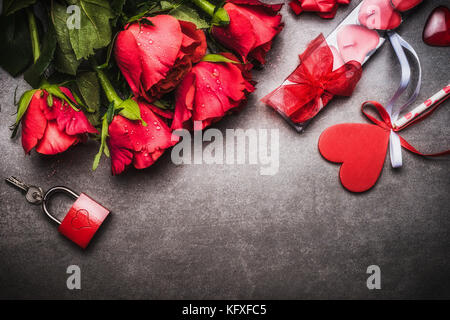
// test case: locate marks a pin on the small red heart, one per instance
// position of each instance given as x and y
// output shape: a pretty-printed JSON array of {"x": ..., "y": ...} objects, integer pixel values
[
  {"x": 437, "y": 28},
  {"x": 404, "y": 5},
  {"x": 361, "y": 148},
  {"x": 379, "y": 14},
  {"x": 81, "y": 220}
]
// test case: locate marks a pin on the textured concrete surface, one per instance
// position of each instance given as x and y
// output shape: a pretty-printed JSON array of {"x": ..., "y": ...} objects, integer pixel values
[{"x": 221, "y": 231}]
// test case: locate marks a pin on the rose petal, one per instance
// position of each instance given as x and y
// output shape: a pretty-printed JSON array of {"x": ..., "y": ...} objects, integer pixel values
[
  {"x": 34, "y": 122},
  {"x": 120, "y": 157},
  {"x": 69, "y": 120},
  {"x": 208, "y": 92},
  {"x": 197, "y": 49},
  {"x": 145, "y": 53},
  {"x": 252, "y": 25},
  {"x": 130, "y": 141},
  {"x": 55, "y": 141}
]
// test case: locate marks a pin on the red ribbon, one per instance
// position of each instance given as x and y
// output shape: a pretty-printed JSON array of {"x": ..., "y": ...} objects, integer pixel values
[
  {"x": 387, "y": 125},
  {"x": 314, "y": 83},
  {"x": 324, "y": 8}
]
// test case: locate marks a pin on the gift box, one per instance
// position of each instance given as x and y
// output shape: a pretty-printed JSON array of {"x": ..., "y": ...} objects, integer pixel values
[{"x": 332, "y": 66}]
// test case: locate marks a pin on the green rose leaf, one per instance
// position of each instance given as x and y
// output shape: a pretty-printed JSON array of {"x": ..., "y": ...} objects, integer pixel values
[
  {"x": 134, "y": 7},
  {"x": 22, "y": 107},
  {"x": 89, "y": 88},
  {"x": 166, "y": 5},
  {"x": 163, "y": 104},
  {"x": 66, "y": 61},
  {"x": 117, "y": 6},
  {"x": 106, "y": 120},
  {"x": 220, "y": 17},
  {"x": 130, "y": 110},
  {"x": 54, "y": 90},
  {"x": 34, "y": 73},
  {"x": 104, "y": 136},
  {"x": 15, "y": 54},
  {"x": 218, "y": 58},
  {"x": 95, "y": 30},
  {"x": 185, "y": 13},
  {"x": 12, "y": 6}
]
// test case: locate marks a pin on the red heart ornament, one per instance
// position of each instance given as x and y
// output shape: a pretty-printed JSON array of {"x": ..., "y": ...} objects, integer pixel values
[
  {"x": 404, "y": 5},
  {"x": 355, "y": 42},
  {"x": 379, "y": 14},
  {"x": 437, "y": 28},
  {"x": 81, "y": 220},
  {"x": 361, "y": 148}
]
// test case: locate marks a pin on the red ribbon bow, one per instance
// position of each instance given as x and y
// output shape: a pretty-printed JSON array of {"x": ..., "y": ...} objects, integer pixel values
[
  {"x": 314, "y": 83},
  {"x": 387, "y": 125},
  {"x": 325, "y": 8}
]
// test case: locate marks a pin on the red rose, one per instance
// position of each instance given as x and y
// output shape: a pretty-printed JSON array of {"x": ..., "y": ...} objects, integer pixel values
[
  {"x": 53, "y": 129},
  {"x": 129, "y": 141},
  {"x": 325, "y": 8},
  {"x": 252, "y": 27},
  {"x": 154, "y": 57},
  {"x": 209, "y": 91}
]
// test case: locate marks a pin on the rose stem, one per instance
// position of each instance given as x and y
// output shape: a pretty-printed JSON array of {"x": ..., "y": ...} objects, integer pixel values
[
  {"x": 108, "y": 88},
  {"x": 206, "y": 6},
  {"x": 34, "y": 35},
  {"x": 220, "y": 15}
]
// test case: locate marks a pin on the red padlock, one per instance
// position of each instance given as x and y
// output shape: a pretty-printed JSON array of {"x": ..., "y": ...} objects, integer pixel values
[{"x": 83, "y": 219}]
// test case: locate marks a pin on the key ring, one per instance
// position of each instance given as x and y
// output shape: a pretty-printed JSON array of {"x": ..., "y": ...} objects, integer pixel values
[{"x": 50, "y": 193}]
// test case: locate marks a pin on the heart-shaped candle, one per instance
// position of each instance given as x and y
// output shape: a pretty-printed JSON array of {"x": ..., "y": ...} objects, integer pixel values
[
  {"x": 379, "y": 14},
  {"x": 355, "y": 42},
  {"x": 404, "y": 5},
  {"x": 361, "y": 148},
  {"x": 437, "y": 28}
]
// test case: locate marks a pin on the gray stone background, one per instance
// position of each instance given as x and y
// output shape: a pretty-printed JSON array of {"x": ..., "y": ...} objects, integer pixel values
[{"x": 221, "y": 231}]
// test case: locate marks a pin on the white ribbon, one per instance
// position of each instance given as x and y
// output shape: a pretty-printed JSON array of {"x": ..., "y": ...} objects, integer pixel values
[{"x": 399, "y": 44}]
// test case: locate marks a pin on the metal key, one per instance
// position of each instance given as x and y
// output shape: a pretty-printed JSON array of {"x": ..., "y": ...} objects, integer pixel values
[{"x": 33, "y": 194}]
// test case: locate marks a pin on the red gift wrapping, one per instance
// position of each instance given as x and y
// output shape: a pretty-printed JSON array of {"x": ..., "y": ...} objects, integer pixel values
[
  {"x": 325, "y": 8},
  {"x": 314, "y": 83}
]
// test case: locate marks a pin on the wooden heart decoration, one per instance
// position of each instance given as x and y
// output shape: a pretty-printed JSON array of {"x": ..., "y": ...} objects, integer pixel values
[
  {"x": 361, "y": 148},
  {"x": 437, "y": 28}
]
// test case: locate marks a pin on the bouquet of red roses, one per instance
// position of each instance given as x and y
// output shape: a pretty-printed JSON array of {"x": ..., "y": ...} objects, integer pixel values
[{"x": 127, "y": 73}]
